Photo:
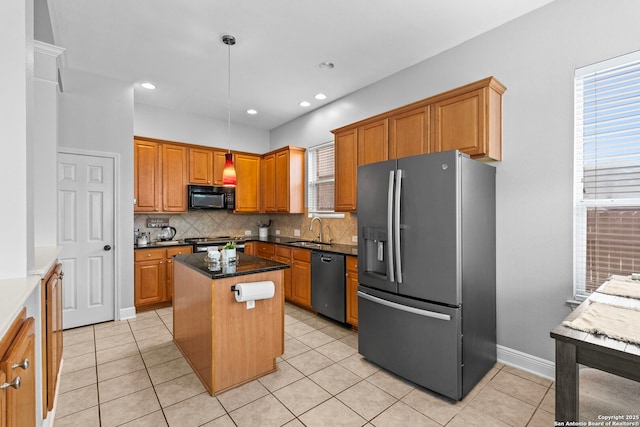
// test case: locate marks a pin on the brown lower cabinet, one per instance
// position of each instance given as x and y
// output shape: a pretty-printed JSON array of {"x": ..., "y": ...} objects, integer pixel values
[
  {"x": 153, "y": 276},
  {"x": 297, "y": 279},
  {"x": 52, "y": 343},
  {"x": 352, "y": 290},
  {"x": 301, "y": 277},
  {"x": 18, "y": 374},
  {"x": 283, "y": 255}
]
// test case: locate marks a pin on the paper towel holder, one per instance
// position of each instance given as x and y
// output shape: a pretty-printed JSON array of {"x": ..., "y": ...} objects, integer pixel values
[{"x": 233, "y": 289}]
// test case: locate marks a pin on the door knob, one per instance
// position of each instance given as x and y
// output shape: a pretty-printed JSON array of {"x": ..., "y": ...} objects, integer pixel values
[
  {"x": 23, "y": 365},
  {"x": 15, "y": 384},
  {"x": 107, "y": 247}
]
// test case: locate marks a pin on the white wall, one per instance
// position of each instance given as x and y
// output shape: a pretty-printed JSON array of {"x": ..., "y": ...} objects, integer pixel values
[
  {"x": 534, "y": 57},
  {"x": 16, "y": 72},
  {"x": 154, "y": 122},
  {"x": 96, "y": 114}
]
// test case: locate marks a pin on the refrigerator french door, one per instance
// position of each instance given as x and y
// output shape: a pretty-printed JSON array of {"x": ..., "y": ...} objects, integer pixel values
[{"x": 426, "y": 299}]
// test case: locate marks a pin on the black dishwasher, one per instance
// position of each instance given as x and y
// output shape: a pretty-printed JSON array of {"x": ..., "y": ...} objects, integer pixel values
[{"x": 328, "y": 285}]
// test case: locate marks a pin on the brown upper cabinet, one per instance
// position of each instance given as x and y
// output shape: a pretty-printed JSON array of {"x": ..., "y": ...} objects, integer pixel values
[
  {"x": 248, "y": 182},
  {"x": 346, "y": 170},
  {"x": 409, "y": 133},
  {"x": 206, "y": 165},
  {"x": 219, "y": 160},
  {"x": 373, "y": 142},
  {"x": 283, "y": 180},
  {"x": 470, "y": 122},
  {"x": 468, "y": 118},
  {"x": 200, "y": 166},
  {"x": 160, "y": 177}
]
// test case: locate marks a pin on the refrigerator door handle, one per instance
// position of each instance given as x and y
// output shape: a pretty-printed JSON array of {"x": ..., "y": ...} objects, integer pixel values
[
  {"x": 390, "y": 226},
  {"x": 395, "y": 305},
  {"x": 396, "y": 226}
]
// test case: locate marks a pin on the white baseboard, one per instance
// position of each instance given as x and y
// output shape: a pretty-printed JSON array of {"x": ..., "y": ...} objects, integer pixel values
[
  {"x": 127, "y": 313},
  {"x": 527, "y": 362}
]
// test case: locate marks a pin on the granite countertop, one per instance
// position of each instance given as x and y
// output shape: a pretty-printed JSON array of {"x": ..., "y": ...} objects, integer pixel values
[
  {"x": 291, "y": 241},
  {"x": 245, "y": 264},
  {"x": 158, "y": 244}
]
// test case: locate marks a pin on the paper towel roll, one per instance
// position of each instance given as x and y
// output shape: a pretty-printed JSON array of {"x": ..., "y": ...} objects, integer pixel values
[{"x": 255, "y": 290}]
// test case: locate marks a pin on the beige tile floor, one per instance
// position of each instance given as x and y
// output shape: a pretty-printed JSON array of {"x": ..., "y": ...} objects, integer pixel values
[{"x": 130, "y": 373}]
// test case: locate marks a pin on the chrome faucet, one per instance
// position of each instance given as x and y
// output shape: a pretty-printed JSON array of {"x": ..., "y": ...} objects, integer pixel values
[{"x": 311, "y": 227}]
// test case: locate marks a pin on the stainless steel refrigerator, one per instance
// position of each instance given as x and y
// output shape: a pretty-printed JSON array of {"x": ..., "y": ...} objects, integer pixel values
[{"x": 427, "y": 269}]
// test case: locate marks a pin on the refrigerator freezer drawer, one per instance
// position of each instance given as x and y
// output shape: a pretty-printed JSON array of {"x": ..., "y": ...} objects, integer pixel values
[{"x": 419, "y": 341}]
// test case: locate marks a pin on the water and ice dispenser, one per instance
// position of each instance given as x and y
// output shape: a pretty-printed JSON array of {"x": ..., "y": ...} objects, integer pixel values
[{"x": 375, "y": 250}]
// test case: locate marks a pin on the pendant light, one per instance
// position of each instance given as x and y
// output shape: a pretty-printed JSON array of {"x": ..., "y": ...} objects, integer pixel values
[{"x": 229, "y": 172}]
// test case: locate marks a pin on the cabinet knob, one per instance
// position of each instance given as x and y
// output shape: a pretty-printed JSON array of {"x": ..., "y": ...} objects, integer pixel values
[
  {"x": 107, "y": 247},
  {"x": 24, "y": 365},
  {"x": 148, "y": 254},
  {"x": 15, "y": 384}
]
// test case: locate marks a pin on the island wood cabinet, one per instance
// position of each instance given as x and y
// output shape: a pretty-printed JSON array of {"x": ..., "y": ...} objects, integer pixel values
[
  {"x": 346, "y": 170},
  {"x": 160, "y": 177},
  {"x": 301, "y": 277},
  {"x": 352, "y": 290},
  {"x": 18, "y": 374},
  {"x": 283, "y": 180},
  {"x": 52, "y": 341},
  {"x": 248, "y": 182},
  {"x": 153, "y": 276},
  {"x": 225, "y": 343}
]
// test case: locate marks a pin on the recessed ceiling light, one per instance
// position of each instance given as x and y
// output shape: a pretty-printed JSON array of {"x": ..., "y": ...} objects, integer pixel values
[
  {"x": 148, "y": 85},
  {"x": 326, "y": 65},
  {"x": 320, "y": 96},
  {"x": 252, "y": 111},
  {"x": 304, "y": 103}
]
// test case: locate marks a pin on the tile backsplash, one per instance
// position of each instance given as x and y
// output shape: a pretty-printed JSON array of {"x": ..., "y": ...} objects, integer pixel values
[{"x": 223, "y": 223}]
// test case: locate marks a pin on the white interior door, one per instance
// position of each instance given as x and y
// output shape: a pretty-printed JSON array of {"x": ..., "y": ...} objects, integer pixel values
[{"x": 85, "y": 234}]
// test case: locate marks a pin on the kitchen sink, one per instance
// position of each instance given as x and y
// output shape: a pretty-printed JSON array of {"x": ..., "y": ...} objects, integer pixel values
[
  {"x": 310, "y": 244},
  {"x": 168, "y": 242}
]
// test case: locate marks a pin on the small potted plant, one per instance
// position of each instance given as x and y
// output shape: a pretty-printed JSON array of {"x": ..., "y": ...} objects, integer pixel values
[{"x": 229, "y": 252}]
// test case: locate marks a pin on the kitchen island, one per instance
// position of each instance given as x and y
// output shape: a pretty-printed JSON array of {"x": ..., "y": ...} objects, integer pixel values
[{"x": 227, "y": 343}]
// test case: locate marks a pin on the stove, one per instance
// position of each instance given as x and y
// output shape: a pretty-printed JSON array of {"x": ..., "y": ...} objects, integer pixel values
[{"x": 202, "y": 244}]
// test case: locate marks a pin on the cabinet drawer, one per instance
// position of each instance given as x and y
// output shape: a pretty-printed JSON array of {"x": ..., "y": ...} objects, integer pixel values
[
  {"x": 266, "y": 249},
  {"x": 180, "y": 250},
  {"x": 148, "y": 254},
  {"x": 301, "y": 255},
  {"x": 352, "y": 263},
  {"x": 283, "y": 251}
]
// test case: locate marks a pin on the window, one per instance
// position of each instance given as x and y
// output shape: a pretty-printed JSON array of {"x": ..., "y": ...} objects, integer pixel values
[
  {"x": 607, "y": 172},
  {"x": 320, "y": 169}
]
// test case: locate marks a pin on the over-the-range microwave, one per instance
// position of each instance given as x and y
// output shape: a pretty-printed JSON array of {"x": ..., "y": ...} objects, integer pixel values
[{"x": 211, "y": 197}]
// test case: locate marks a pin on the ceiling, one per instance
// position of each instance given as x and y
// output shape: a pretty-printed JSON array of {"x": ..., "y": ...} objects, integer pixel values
[{"x": 280, "y": 44}]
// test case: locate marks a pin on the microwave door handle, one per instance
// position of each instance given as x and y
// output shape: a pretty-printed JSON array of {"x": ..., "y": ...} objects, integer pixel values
[
  {"x": 390, "y": 267},
  {"x": 396, "y": 226}
]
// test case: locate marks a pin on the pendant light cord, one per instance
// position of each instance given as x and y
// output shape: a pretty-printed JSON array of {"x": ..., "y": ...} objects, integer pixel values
[{"x": 229, "y": 98}]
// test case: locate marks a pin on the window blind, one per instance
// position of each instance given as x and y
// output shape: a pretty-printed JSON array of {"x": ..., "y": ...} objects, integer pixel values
[
  {"x": 321, "y": 177},
  {"x": 607, "y": 172}
]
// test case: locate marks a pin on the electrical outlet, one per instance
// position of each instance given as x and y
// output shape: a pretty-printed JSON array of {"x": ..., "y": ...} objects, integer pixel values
[
  {"x": 296, "y": 233},
  {"x": 354, "y": 239},
  {"x": 277, "y": 232},
  {"x": 247, "y": 232}
]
